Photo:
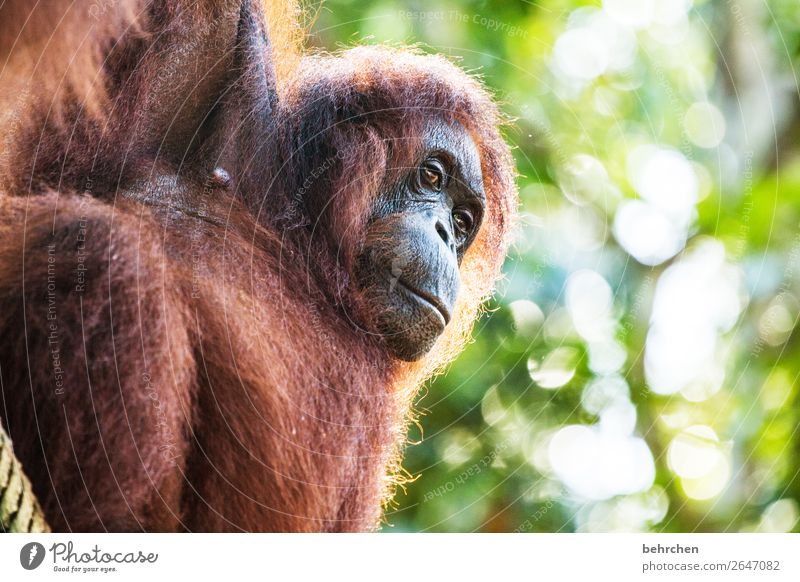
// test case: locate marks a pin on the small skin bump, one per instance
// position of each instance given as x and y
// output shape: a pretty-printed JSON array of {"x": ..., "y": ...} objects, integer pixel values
[{"x": 221, "y": 179}]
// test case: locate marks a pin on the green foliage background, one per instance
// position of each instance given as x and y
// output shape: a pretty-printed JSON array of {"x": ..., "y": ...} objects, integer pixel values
[{"x": 720, "y": 433}]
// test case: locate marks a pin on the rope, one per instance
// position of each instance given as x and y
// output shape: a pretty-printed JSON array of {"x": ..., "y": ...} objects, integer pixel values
[{"x": 19, "y": 509}]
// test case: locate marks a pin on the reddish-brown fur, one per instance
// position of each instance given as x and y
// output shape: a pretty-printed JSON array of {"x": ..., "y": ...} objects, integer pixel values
[{"x": 211, "y": 376}]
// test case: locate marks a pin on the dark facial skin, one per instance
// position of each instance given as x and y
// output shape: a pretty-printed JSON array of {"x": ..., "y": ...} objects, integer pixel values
[{"x": 420, "y": 229}]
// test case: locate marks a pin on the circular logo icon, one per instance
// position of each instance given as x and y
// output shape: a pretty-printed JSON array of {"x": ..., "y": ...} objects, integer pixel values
[{"x": 31, "y": 555}]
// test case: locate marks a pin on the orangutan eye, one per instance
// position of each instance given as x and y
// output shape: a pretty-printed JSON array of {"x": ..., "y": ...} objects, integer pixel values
[
  {"x": 432, "y": 175},
  {"x": 463, "y": 222}
]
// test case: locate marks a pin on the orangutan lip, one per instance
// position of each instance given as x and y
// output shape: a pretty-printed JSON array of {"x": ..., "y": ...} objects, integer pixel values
[{"x": 428, "y": 298}]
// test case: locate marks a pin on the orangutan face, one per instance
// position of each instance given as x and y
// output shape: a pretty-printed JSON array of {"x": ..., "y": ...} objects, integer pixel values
[{"x": 420, "y": 229}]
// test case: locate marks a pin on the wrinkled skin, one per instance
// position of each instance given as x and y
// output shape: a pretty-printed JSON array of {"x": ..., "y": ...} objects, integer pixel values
[{"x": 418, "y": 233}]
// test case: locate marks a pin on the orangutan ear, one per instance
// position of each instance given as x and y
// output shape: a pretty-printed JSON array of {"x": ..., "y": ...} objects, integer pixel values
[
  {"x": 207, "y": 77},
  {"x": 244, "y": 113}
]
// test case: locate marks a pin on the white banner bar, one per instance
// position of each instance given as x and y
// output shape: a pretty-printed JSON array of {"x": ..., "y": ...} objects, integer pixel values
[{"x": 402, "y": 557}]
